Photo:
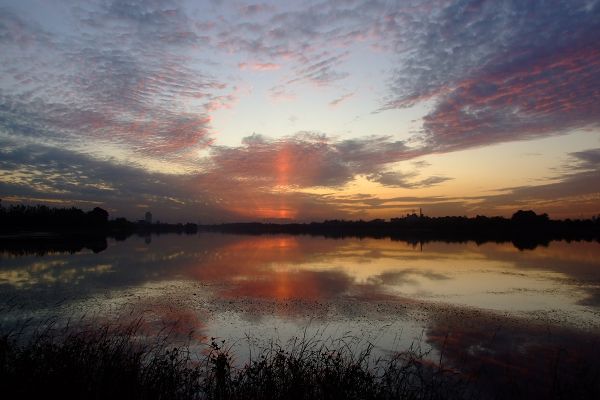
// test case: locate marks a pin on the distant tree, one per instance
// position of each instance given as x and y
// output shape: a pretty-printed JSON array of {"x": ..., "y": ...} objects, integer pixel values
[
  {"x": 529, "y": 217},
  {"x": 98, "y": 216}
]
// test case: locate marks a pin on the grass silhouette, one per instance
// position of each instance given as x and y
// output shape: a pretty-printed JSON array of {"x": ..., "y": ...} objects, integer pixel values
[
  {"x": 120, "y": 362},
  {"x": 84, "y": 360}
]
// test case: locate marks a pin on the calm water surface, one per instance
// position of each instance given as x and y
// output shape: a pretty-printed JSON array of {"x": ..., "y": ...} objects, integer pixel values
[{"x": 466, "y": 298}]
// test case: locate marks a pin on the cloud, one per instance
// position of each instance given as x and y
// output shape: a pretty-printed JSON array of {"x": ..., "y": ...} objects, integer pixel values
[
  {"x": 485, "y": 64},
  {"x": 586, "y": 159},
  {"x": 265, "y": 177},
  {"x": 500, "y": 71},
  {"x": 284, "y": 285},
  {"x": 262, "y": 178},
  {"x": 342, "y": 98},
  {"x": 281, "y": 93},
  {"x": 312, "y": 38},
  {"x": 572, "y": 192},
  {"x": 17, "y": 33},
  {"x": 287, "y": 33},
  {"x": 406, "y": 180},
  {"x": 420, "y": 164},
  {"x": 123, "y": 80},
  {"x": 254, "y": 9},
  {"x": 162, "y": 134},
  {"x": 370, "y": 153},
  {"x": 498, "y": 344},
  {"x": 575, "y": 190},
  {"x": 142, "y": 79},
  {"x": 305, "y": 159},
  {"x": 259, "y": 66},
  {"x": 146, "y": 22},
  {"x": 408, "y": 276},
  {"x": 41, "y": 173},
  {"x": 320, "y": 69}
]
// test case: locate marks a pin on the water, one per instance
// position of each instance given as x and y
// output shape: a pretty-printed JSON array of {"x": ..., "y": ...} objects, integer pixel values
[{"x": 464, "y": 300}]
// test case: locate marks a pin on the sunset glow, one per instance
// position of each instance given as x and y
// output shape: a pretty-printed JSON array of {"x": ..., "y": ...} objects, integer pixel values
[{"x": 220, "y": 111}]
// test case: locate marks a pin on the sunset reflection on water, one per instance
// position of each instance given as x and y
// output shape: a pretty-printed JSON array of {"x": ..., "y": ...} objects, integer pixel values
[{"x": 473, "y": 302}]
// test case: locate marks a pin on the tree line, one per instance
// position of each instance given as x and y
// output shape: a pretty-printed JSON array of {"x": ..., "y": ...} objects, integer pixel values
[
  {"x": 27, "y": 218},
  {"x": 22, "y": 217},
  {"x": 525, "y": 229}
]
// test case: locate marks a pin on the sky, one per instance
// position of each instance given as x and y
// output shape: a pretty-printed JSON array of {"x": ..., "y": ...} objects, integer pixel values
[{"x": 217, "y": 111}]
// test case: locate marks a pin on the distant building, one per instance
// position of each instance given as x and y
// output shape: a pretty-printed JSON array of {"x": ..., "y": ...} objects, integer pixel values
[
  {"x": 411, "y": 217},
  {"x": 148, "y": 217}
]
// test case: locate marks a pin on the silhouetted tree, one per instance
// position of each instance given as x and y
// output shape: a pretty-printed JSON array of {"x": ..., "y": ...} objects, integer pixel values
[
  {"x": 98, "y": 216},
  {"x": 529, "y": 217}
]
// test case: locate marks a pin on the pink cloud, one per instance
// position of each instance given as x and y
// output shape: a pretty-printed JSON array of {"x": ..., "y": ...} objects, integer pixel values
[
  {"x": 254, "y": 9},
  {"x": 547, "y": 96},
  {"x": 259, "y": 66}
]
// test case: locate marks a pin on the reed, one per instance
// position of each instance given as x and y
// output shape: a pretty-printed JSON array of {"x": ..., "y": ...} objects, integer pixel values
[{"x": 121, "y": 362}]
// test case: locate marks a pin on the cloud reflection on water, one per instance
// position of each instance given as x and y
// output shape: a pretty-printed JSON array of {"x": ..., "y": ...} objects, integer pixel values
[
  {"x": 512, "y": 358},
  {"x": 300, "y": 267},
  {"x": 486, "y": 308}
]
